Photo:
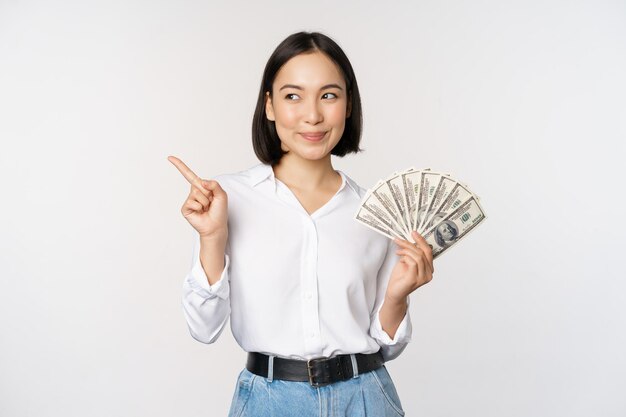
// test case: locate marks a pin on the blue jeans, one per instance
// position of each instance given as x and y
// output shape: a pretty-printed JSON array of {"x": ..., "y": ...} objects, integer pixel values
[{"x": 371, "y": 394}]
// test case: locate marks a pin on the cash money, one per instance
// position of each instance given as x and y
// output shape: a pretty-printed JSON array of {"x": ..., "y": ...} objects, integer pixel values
[{"x": 440, "y": 208}]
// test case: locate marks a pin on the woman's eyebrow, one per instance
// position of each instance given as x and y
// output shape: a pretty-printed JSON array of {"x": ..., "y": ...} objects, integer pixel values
[{"x": 297, "y": 87}]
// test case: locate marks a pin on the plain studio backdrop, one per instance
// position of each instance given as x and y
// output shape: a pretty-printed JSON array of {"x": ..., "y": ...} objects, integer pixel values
[{"x": 522, "y": 100}]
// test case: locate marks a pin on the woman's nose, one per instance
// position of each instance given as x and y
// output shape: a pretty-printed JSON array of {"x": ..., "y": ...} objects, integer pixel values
[{"x": 313, "y": 113}]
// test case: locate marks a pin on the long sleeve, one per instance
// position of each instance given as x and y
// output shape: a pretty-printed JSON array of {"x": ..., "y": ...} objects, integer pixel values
[
  {"x": 391, "y": 348},
  {"x": 206, "y": 307}
]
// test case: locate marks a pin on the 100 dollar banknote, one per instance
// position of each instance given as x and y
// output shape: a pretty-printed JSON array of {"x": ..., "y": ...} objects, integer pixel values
[{"x": 455, "y": 226}]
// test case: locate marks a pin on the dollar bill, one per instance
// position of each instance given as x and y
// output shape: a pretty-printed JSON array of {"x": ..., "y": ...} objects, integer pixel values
[
  {"x": 412, "y": 192},
  {"x": 452, "y": 198},
  {"x": 453, "y": 227},
  {"x": 372, "y": 203},
  {"x": 372, "y": 221},
  {"x": 385, "y": 196},
  {"x": 396, "y": 188},
  {"x": 428, "y": 184}
]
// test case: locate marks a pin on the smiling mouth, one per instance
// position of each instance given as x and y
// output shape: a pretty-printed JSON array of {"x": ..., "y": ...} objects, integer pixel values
[{"x": 313, "y": 136}]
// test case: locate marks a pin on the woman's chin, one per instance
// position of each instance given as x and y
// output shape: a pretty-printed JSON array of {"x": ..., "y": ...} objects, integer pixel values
[{"x": 312, "y": 156}]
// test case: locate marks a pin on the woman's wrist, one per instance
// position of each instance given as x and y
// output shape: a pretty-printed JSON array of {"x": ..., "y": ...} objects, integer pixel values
[
  {"x": 396, "y": 302},
  {"x": 220, "y": 236}
]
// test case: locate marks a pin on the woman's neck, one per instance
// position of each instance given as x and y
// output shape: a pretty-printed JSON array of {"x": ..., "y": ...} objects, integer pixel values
[{"x": 305, "y": 174}]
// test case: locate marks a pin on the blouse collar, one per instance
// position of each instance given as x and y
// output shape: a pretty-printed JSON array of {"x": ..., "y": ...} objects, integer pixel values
[{"x": 262, "y": 172}]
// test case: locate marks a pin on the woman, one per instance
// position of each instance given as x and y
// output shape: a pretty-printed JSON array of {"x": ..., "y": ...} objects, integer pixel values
[{"x": 318, "y": 301}]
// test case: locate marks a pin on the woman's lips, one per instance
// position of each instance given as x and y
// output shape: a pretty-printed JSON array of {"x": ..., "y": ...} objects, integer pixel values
[{"x": 314, "y": 137}]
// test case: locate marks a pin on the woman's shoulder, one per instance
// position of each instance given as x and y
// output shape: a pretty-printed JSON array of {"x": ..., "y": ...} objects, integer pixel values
[
  {"x": 352, "y": 183},
  {"x": 245, "y": 176}
]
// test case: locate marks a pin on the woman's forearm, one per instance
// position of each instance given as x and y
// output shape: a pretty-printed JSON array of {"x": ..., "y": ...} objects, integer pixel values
[
  {"x": 212, "y": 256},
  {"x": 391, "y": 315}
]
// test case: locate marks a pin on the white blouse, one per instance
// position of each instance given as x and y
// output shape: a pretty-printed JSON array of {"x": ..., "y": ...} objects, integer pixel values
[{"x": 295, "y": 285}]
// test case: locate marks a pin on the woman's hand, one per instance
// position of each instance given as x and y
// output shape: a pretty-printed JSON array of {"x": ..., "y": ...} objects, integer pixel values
[
  {"x": 206, "y": 207},
  {"x": 414, "y": 269}
]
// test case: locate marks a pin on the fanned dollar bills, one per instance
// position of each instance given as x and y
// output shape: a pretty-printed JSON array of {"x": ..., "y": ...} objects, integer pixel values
[{"x": 443, "y": 210}]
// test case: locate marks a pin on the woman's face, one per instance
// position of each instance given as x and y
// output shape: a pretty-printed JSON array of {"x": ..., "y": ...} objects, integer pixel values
[{"x": 308, "y": 96}]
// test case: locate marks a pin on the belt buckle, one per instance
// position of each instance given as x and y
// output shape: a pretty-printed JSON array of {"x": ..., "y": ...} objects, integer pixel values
[{"x": 308, "y": 368}]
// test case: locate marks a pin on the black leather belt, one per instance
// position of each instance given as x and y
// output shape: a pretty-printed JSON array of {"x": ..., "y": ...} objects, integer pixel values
[{"x": 318, "y": 371}]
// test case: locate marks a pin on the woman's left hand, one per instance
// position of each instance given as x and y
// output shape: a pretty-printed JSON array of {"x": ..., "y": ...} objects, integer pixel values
[{"x": 414, "y": 269}]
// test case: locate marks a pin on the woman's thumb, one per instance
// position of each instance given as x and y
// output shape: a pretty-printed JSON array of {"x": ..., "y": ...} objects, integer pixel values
[{"x": 213, "y": 186}]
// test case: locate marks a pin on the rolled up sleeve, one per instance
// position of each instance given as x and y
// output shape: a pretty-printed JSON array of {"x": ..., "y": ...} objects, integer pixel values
[
  {"x": 391, "y": 348},
  {"x": 206, "y": 307}
]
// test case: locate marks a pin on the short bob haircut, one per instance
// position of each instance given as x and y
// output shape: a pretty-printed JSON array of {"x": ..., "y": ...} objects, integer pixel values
[{"x": 265, "y": 140}]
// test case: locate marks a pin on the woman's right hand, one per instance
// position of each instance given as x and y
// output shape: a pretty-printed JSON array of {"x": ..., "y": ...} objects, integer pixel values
[{"x": 206, "y": 207}]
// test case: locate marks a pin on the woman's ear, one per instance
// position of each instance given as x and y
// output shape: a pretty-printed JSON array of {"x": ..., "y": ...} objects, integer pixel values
[{"x": 269, "y": 108}]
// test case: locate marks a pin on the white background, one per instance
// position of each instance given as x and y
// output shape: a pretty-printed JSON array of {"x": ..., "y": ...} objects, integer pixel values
[{"x": 522, "y": 100}]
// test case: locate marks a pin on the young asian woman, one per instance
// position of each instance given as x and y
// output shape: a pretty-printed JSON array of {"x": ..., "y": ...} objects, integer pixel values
[{"x": 318, "y": 301}]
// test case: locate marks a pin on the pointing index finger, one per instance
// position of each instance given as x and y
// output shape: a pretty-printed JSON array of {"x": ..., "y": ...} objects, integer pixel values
[{"x": 184, "y": 169}]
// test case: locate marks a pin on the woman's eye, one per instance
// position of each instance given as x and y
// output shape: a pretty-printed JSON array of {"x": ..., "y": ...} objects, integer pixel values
[
  {"x": 335, "y": 96},
  {"x": 290, "y": 94}
]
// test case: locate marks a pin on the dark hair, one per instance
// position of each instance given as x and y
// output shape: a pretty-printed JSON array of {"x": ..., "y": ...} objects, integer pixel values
[{"x": 265, "y": 140}]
